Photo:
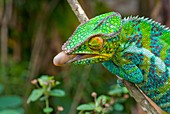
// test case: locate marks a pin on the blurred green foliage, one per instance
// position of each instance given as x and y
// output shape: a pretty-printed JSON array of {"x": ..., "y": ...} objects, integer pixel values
[
  {"x": 10, "y": 104},
  {"x": 35, "y": 31},
  {"x": 105, "y": 104}
]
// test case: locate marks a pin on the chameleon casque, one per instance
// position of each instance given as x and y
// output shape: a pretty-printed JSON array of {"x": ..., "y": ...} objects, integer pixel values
[{"x": 136, "y": 49}]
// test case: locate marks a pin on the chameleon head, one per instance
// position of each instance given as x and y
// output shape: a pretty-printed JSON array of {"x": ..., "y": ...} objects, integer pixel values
[{"x": 92, "y": 42}]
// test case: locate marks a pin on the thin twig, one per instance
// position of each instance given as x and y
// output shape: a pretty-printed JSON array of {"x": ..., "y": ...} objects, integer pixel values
[
  {"x": 79, "y": 12},
  {"x": 140, "y": 98},
  {"x": 134, "y": 91}
]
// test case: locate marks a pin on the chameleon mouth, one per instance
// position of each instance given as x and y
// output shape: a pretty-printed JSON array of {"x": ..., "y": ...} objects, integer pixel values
[
  {"x": 64, "y": 58},
  {"x": 80, "y": 57}
]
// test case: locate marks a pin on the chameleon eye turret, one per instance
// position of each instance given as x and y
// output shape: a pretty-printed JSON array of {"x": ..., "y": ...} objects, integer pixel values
[
  {"x": 95, "y": 43},
  {"x": 109, "y": 25}
]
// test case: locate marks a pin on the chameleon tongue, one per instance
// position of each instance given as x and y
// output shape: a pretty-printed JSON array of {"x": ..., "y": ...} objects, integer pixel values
[{"x": 62, "y": 58}]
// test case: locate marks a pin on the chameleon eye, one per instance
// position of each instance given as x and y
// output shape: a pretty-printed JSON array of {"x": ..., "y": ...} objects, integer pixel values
[{"x": 96, "y": 42}]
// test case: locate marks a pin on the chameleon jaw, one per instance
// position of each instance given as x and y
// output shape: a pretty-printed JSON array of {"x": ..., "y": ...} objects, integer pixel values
[{"x": 81, "y": 57}]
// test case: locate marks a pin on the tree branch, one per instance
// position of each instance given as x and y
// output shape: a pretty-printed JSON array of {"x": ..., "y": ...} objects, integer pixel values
[
  {"x": 79, "y": 12},
  {"x": 140, "y": 98},
  {"x": 134, "y": 91}
]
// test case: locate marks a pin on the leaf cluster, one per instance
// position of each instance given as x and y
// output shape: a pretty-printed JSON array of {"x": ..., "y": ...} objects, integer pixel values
[{"x": 46, "y": 87}]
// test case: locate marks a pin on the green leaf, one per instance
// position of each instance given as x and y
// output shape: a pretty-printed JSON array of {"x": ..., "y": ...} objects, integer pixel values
[
  {"x": 57, "y": 93},
  {"x": 102, "y": 99},
  {"x": 48, "y": 110},
  {"x": 43, "y": 80},
  {"x": 90, "y": 106},
  {"x": 10, "y": 101},
  {"x": 115, "y": 92},
  {"x": 46, "y": 78},
  {"x": 118, "y": 107},
  {"x": 57, "y": 83},
  {"x": 87, "y": 113},
  {"x": 36, "y": 94},
  {"x": 9, "y": 111},
  {"x": 125, "y": 90},
  {"x": 98, "y": 109}
]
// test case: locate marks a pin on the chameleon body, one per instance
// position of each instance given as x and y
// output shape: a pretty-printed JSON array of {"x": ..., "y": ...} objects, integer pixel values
[{"x": 136, "y": 49}]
